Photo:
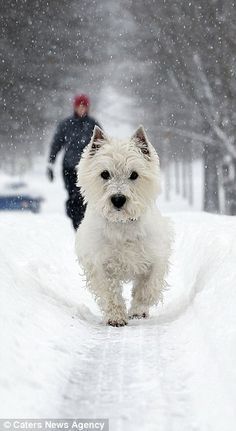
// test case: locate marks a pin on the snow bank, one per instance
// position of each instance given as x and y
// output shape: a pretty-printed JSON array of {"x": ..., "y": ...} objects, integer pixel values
[{"x": 40, "y": 296}]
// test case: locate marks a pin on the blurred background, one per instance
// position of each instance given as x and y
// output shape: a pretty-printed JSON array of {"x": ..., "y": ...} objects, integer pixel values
[{"x": 169, "y": 65}]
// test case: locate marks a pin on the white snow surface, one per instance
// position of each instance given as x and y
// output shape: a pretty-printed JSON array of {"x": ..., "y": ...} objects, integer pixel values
[{"x": 175, "y": 371}]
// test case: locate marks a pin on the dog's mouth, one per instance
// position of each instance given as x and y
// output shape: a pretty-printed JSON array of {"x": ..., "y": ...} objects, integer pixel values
[
  {"x": 120, "y": 216},
  {"x": 129, "y": 220},
  {"x": 119, "y": 211}
]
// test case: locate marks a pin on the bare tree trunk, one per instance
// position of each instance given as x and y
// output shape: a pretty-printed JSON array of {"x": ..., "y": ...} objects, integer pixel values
[
  {"x": 229, "y": 185},
  {"x": 166, "y": 163},
  {"x": 184, "y": 179},
  {"x": 190, "y": 182},
  {"x": 177, "y": 177},
  {"x": 167, "y": 181},
  {"x": 211, "y": 180}
]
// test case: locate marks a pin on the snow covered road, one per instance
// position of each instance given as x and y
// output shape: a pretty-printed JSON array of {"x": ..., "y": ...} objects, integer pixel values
[{"x": 173, "y": 372}]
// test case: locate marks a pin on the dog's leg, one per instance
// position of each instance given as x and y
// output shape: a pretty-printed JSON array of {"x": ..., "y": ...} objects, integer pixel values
[
  {"x": 139, "y": 309},
  {"x": 147, "y": 291},
  {"x": 114, "y": 309},
  {"x": 109, "y": 298}
]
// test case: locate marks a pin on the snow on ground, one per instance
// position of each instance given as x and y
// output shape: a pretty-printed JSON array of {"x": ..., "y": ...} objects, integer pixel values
[{"x": 173, "y": 372}]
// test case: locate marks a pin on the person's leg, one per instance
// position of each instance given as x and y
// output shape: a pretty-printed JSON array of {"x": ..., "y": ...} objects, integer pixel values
[
  {"x": 75, "y": 207},
  {"x": 78, "y": 208},
  {"x": 69, "y": 187}
]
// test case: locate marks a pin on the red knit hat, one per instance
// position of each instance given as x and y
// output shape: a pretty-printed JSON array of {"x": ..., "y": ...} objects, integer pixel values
[{"x": 81, "y": 99}]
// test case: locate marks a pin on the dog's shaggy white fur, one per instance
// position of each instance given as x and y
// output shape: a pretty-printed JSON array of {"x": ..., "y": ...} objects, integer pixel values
[{"x": 123, "y": 237}]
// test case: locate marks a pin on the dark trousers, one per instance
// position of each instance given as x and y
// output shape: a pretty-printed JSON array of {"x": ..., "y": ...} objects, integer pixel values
[{"x": 75, "y": 207}]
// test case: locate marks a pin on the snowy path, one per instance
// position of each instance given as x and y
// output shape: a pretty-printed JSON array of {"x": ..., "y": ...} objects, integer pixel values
[
  {"x": 173, "y": 372},
  {"x": 135, "y": 376},
  {"x": 142, "y": 376}
]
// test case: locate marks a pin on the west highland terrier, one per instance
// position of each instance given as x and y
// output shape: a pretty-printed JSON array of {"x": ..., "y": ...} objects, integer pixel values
[{"x": 123, "y": 237}]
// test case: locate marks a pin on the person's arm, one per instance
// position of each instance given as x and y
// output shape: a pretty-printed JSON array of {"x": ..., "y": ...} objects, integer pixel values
[{"x": 57, "y": 144}]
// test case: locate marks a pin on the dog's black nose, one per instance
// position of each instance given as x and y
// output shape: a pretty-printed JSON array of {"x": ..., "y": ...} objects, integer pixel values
[{"x": 118, "y": 200}]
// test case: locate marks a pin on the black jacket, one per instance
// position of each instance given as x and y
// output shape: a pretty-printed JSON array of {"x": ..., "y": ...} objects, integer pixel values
[{"x": 72, "y": 135}]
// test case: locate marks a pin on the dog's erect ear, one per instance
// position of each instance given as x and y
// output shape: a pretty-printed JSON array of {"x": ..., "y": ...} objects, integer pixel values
[
  {"x": 141, "y": 141},
  {"x": 97, "y": 140}
]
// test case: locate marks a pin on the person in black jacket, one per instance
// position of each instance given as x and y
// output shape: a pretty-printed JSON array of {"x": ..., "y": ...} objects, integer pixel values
[{"x": 72, "y": 135}]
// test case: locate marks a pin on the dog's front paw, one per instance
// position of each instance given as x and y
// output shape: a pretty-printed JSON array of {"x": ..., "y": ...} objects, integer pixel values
[
  {"x": 143, "y": 315},
  {"x": 138, "y": 311},
  {"x": 117, "y": 322}
]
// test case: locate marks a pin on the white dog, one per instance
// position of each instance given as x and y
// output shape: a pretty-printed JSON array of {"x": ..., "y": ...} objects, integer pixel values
[{"x": 122, "y": 237}]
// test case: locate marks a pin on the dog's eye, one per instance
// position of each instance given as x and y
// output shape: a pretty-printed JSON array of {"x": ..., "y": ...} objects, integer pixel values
[
  {"x": 133, "y": 176},
  {"x": 105, "y": 175}
]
